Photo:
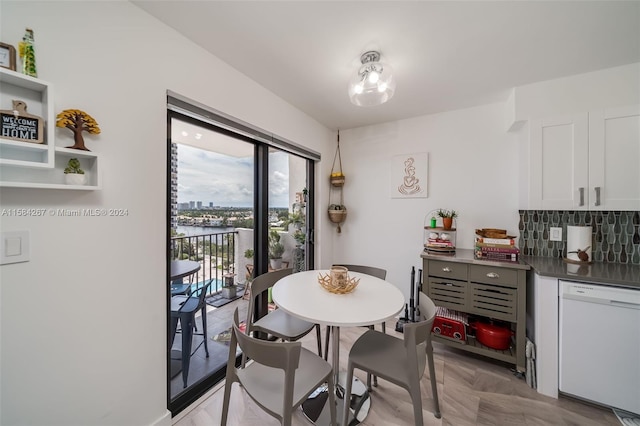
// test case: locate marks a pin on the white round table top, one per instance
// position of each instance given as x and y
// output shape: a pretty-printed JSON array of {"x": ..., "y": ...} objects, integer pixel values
[{"x": 371, "y": 302}]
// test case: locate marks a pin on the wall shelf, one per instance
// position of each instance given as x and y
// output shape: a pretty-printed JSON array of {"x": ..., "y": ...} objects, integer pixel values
[{"x": 33, "y": 165}]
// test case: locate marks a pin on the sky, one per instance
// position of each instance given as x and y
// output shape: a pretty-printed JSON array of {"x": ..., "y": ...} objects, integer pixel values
[{"x": 228, "y": 181}]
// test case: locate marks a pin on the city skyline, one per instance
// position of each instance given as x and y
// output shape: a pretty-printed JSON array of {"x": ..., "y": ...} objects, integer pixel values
[{"x": 227, "y": 181}]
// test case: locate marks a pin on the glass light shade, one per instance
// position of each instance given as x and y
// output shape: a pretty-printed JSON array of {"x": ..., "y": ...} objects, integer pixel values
[{"x": 372, "y": 85}]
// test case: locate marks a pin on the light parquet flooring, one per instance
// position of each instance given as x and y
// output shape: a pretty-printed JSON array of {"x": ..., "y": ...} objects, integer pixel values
[{"x": 473, "y": 390}]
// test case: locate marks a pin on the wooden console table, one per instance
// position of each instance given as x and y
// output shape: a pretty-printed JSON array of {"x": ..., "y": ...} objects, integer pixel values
[{"x": 494, "y": 290}]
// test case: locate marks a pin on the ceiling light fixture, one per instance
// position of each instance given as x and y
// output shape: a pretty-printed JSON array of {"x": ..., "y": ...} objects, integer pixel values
[{"x": 373, "y": 84}]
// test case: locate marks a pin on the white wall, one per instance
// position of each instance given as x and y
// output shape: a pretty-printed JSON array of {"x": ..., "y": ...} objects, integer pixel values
[
  {"x": 472, "y": 169},
  {"x": 83, "y": 324},
  {"x": 611, "y": 87}
]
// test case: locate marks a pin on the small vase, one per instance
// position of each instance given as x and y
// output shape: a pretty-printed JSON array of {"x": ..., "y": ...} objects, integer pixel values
[
  {"x": 447, "y": 222},
  {"x": 74, "y": 179}
]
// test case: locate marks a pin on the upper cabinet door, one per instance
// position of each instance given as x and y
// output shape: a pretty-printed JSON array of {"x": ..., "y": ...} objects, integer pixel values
[
  {"x": 614, "y": 159},
  {"x": 559, "y": 163}
]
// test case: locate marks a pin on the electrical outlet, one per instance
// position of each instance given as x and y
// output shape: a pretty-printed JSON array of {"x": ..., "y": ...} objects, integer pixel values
[{"x": 555, "y": 234}]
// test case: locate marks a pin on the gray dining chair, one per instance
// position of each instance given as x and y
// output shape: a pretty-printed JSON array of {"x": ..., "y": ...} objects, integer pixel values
[
  {"x": 280, "y": 378},
  {"x": 374, "y": 272},
  {"x": 277, "y": 323},
  {"x": 399, "y": 361}
]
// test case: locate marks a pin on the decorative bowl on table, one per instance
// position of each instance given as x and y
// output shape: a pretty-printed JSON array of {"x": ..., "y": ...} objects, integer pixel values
[{"x": 338, "y": 280}]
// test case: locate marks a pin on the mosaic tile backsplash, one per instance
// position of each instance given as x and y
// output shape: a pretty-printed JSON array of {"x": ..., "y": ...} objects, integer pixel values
[{"x": 616, "y": 234}]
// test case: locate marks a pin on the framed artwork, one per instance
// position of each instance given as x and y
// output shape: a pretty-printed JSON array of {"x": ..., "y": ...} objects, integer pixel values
[
  {"x": 7, "y": 56},
  {"x": 408, "y": 175}
]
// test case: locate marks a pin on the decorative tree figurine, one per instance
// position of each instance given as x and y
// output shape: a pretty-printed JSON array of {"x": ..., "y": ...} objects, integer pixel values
[
  {"x": 77, "y": 121},
  {"x": 27, "y": 54}
]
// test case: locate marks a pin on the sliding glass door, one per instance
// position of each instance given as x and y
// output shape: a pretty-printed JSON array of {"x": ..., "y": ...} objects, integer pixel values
[
  {"x": 237, "y": 207},
  {"x": 288, "y": 197}
]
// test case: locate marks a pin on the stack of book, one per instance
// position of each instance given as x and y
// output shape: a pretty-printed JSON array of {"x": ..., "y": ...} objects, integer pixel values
[
  {"x": 438, "y": 244},
  {"x": 501, "y": 249}
]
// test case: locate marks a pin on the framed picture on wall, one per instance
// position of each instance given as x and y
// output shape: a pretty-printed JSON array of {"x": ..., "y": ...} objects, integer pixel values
[
  {"x": 408, "y": 175},
  {"x": 7, "y": 56}
]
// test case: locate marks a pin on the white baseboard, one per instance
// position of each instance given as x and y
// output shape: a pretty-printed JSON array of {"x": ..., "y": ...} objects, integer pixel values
[
  {"x": 204, "y": 397},
  {"x": 165, "y": 420}
]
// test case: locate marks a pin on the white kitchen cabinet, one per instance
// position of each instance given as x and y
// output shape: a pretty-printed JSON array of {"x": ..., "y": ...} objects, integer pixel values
[
  {"x": 614, "y": 155},
  {"x": 33, "y": 165},
  {"x": 559, "y": 162},
  {"x": 586, "y": 161}
]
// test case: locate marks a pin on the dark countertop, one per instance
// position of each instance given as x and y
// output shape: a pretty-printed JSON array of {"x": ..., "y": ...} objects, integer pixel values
[
  {"x": 619, "y": 274},
  {"x": 467, "y": 256}
]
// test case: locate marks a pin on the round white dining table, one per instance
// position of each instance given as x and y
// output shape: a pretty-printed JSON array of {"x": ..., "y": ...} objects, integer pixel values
[{"x": 373, "y": 301}]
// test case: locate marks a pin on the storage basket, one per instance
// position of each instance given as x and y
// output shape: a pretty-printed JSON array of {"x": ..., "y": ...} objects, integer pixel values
[
  {"x": 337, "y": 177},
  {"x": 337, "y": 180},
  {"x": 337, "y": 216}
]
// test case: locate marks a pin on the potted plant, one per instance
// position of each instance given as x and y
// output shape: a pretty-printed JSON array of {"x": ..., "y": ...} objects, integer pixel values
[
  {"x": 447, "y": 217},
  {"x": 73, "y": 174},
  {"x": 276, "y": 249},
  {"x": 248, "y": 254},
  {"x": 300, "y": 237}
]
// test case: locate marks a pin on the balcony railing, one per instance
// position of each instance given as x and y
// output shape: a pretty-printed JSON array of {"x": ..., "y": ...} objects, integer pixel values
[
  {"x": 216, "y": 253},
  {"x": 223, "y": 255}
]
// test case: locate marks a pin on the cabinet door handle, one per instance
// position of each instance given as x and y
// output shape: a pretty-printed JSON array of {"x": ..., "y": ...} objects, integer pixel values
[
  {"x": 493, "y": 275},
  {"x": 446, "y": 269},
  {"x": 597, "y": 203},
  {"x": 581, "y": 191}
]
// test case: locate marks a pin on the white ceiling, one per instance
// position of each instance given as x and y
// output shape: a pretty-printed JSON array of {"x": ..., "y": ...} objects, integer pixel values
[{"x": 446, "y": 55}]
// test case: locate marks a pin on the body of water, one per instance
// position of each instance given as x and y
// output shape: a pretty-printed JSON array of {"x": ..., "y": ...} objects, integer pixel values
[{"x": 200, "y": 230}]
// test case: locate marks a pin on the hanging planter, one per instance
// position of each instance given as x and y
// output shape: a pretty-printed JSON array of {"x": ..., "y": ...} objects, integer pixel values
[
  {"x": 337, "y": 211},
  {"x": 337, "y": 177}
]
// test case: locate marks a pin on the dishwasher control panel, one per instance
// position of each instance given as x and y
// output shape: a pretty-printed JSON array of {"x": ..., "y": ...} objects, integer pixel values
[{"x": 601, "y": 294}]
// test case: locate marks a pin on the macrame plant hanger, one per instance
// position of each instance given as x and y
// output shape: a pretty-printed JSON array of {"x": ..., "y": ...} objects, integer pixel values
[{"x": 337, "y": 212}]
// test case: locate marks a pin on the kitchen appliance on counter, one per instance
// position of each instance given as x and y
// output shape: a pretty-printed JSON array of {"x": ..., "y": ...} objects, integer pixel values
[{"x": 600, "y": 344}]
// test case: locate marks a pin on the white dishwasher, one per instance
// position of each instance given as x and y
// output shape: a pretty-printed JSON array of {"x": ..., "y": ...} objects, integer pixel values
[{"x": 600, "y": 344}]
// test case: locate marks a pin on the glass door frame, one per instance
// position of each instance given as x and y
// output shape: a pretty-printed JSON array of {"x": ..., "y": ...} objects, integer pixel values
[{"x": 261, "y": 230}]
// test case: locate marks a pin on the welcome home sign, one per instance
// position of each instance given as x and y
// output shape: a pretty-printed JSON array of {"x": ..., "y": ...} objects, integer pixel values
[{"x": 18, "y": 125}]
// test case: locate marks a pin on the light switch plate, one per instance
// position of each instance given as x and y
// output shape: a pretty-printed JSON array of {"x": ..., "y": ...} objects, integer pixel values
[
  {"x": 14, "y": 247},
  {"x": 555, "y": 234}
]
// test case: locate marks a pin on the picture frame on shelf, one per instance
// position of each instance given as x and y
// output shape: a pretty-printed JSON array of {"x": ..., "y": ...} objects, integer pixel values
[{"x": 7, "y": 56}]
